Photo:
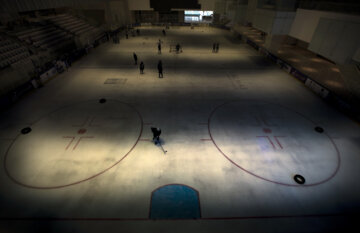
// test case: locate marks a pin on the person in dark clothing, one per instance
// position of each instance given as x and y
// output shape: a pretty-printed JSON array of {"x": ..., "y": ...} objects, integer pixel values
[
  {"x": 159, "y": 48},
  {"x": 214, "y": 47},
  {"x": 164, "y": 33},
  {"x": 135, "y": 58},
  {"x": 127, "y": 35},
  {"x": 138, "y": 32},
  {"x": 160, "y": 69},
  {"x": 142, "y": 67},
  {"x": 156, "y": 135},
  {"x": 217, "y": 47},
  {"x": 177, "y": 48}
]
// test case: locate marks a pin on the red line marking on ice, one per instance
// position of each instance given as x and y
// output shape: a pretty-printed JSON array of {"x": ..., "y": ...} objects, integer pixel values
[
  {"x": 264, "y": 178},
  {"x": 83, "y": 124},
  {"x": 91, "y": 122},
  {"x": 277, "y": 140},
  {"x": 72, "y": 139},
  {"x": 268, "y": 140},
  {"x": 145, "y": 140},
  {"x": 77, "y": 143},
  {"x": 262, "y": 121},
  {"x": 8, "y": 173}
]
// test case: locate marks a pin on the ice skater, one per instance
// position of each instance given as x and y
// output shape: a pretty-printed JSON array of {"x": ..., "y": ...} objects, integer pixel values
[
  {"x": 214, "y": 47},
  {"x": 135, "y": 58},
  {"x": 178, "y": 47},
  {"x": 127, "y": 35},
  {"x": 138, "y": 32},
  {"x": 164, "y": 33},
  {"x": 156, "y": 137},
  {"x": 159, "y": 48},
  {"x": 160, "y": 69},
  {"x": 217, "y": 47},
  {"x": 142, "y": 67}
]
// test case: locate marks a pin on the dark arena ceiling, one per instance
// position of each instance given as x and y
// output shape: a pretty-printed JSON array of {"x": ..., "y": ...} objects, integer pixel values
[{"x": 166, "y": 5}]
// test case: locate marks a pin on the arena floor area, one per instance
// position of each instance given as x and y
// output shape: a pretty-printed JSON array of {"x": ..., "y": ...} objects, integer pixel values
[{"x": 236, "y": 129}]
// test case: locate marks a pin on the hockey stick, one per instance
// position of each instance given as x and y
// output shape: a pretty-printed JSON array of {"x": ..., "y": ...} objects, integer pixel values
[{"x": 162, "y": 148}]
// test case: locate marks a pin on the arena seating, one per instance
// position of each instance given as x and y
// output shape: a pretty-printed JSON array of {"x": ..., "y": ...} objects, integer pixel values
[
  {"x": 74, "y": 25},
  {"x": 11, "y": 52},
  {"x": 44, "y": 37}
]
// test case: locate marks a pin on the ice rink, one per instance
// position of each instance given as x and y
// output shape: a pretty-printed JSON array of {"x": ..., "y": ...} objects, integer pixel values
[{"x": 236, "y": 129}]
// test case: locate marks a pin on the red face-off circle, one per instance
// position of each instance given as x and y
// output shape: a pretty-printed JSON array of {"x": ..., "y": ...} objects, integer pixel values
[
  {"x": 273, "y": 143},
  {"x": 79, "y": 155}
]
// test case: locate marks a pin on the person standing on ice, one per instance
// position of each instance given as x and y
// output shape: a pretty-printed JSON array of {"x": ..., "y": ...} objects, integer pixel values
[
  {"x": 160, "y": 69},
  {"x": 159, "y": 48},
  {"x": 142, "y": 66},
  {"x": 156, "y": 135},
  {"x": 135, "y": 58}
]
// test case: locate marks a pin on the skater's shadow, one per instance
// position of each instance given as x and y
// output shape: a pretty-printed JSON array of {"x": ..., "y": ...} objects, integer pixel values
[{"x": 161, "y": 141}]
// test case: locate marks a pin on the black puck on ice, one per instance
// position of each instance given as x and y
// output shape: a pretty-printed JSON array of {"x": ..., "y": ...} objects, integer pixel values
[
  {"x": 26, "y": 130},
  {"x": 319, "y": 129},
  {"x": 299, "y": 179},
  {"x": 101, "y": 101}
]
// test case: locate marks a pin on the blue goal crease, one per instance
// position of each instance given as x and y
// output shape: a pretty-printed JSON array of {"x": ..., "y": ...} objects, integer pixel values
[{"x": 175, "y": 202}]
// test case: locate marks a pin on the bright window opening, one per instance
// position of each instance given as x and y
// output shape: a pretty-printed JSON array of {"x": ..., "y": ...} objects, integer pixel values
[{"x": 198, "y": 16}]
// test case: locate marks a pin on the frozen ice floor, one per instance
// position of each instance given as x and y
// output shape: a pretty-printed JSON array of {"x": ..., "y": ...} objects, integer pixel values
[{"x": 236, "y": 130}]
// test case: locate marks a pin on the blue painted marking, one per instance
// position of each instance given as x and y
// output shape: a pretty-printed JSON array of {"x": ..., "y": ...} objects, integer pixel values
[{"x": 175, "y": 202}]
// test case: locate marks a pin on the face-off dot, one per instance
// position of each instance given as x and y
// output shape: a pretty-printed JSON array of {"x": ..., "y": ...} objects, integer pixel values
[
  {"x": 266, "y": 130},
  {"x": 81, "y": 131},
  {"x": 299, "y": 179},
  {"x": 26, "y": 130},
  {"x": 319, "y": 129}
]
